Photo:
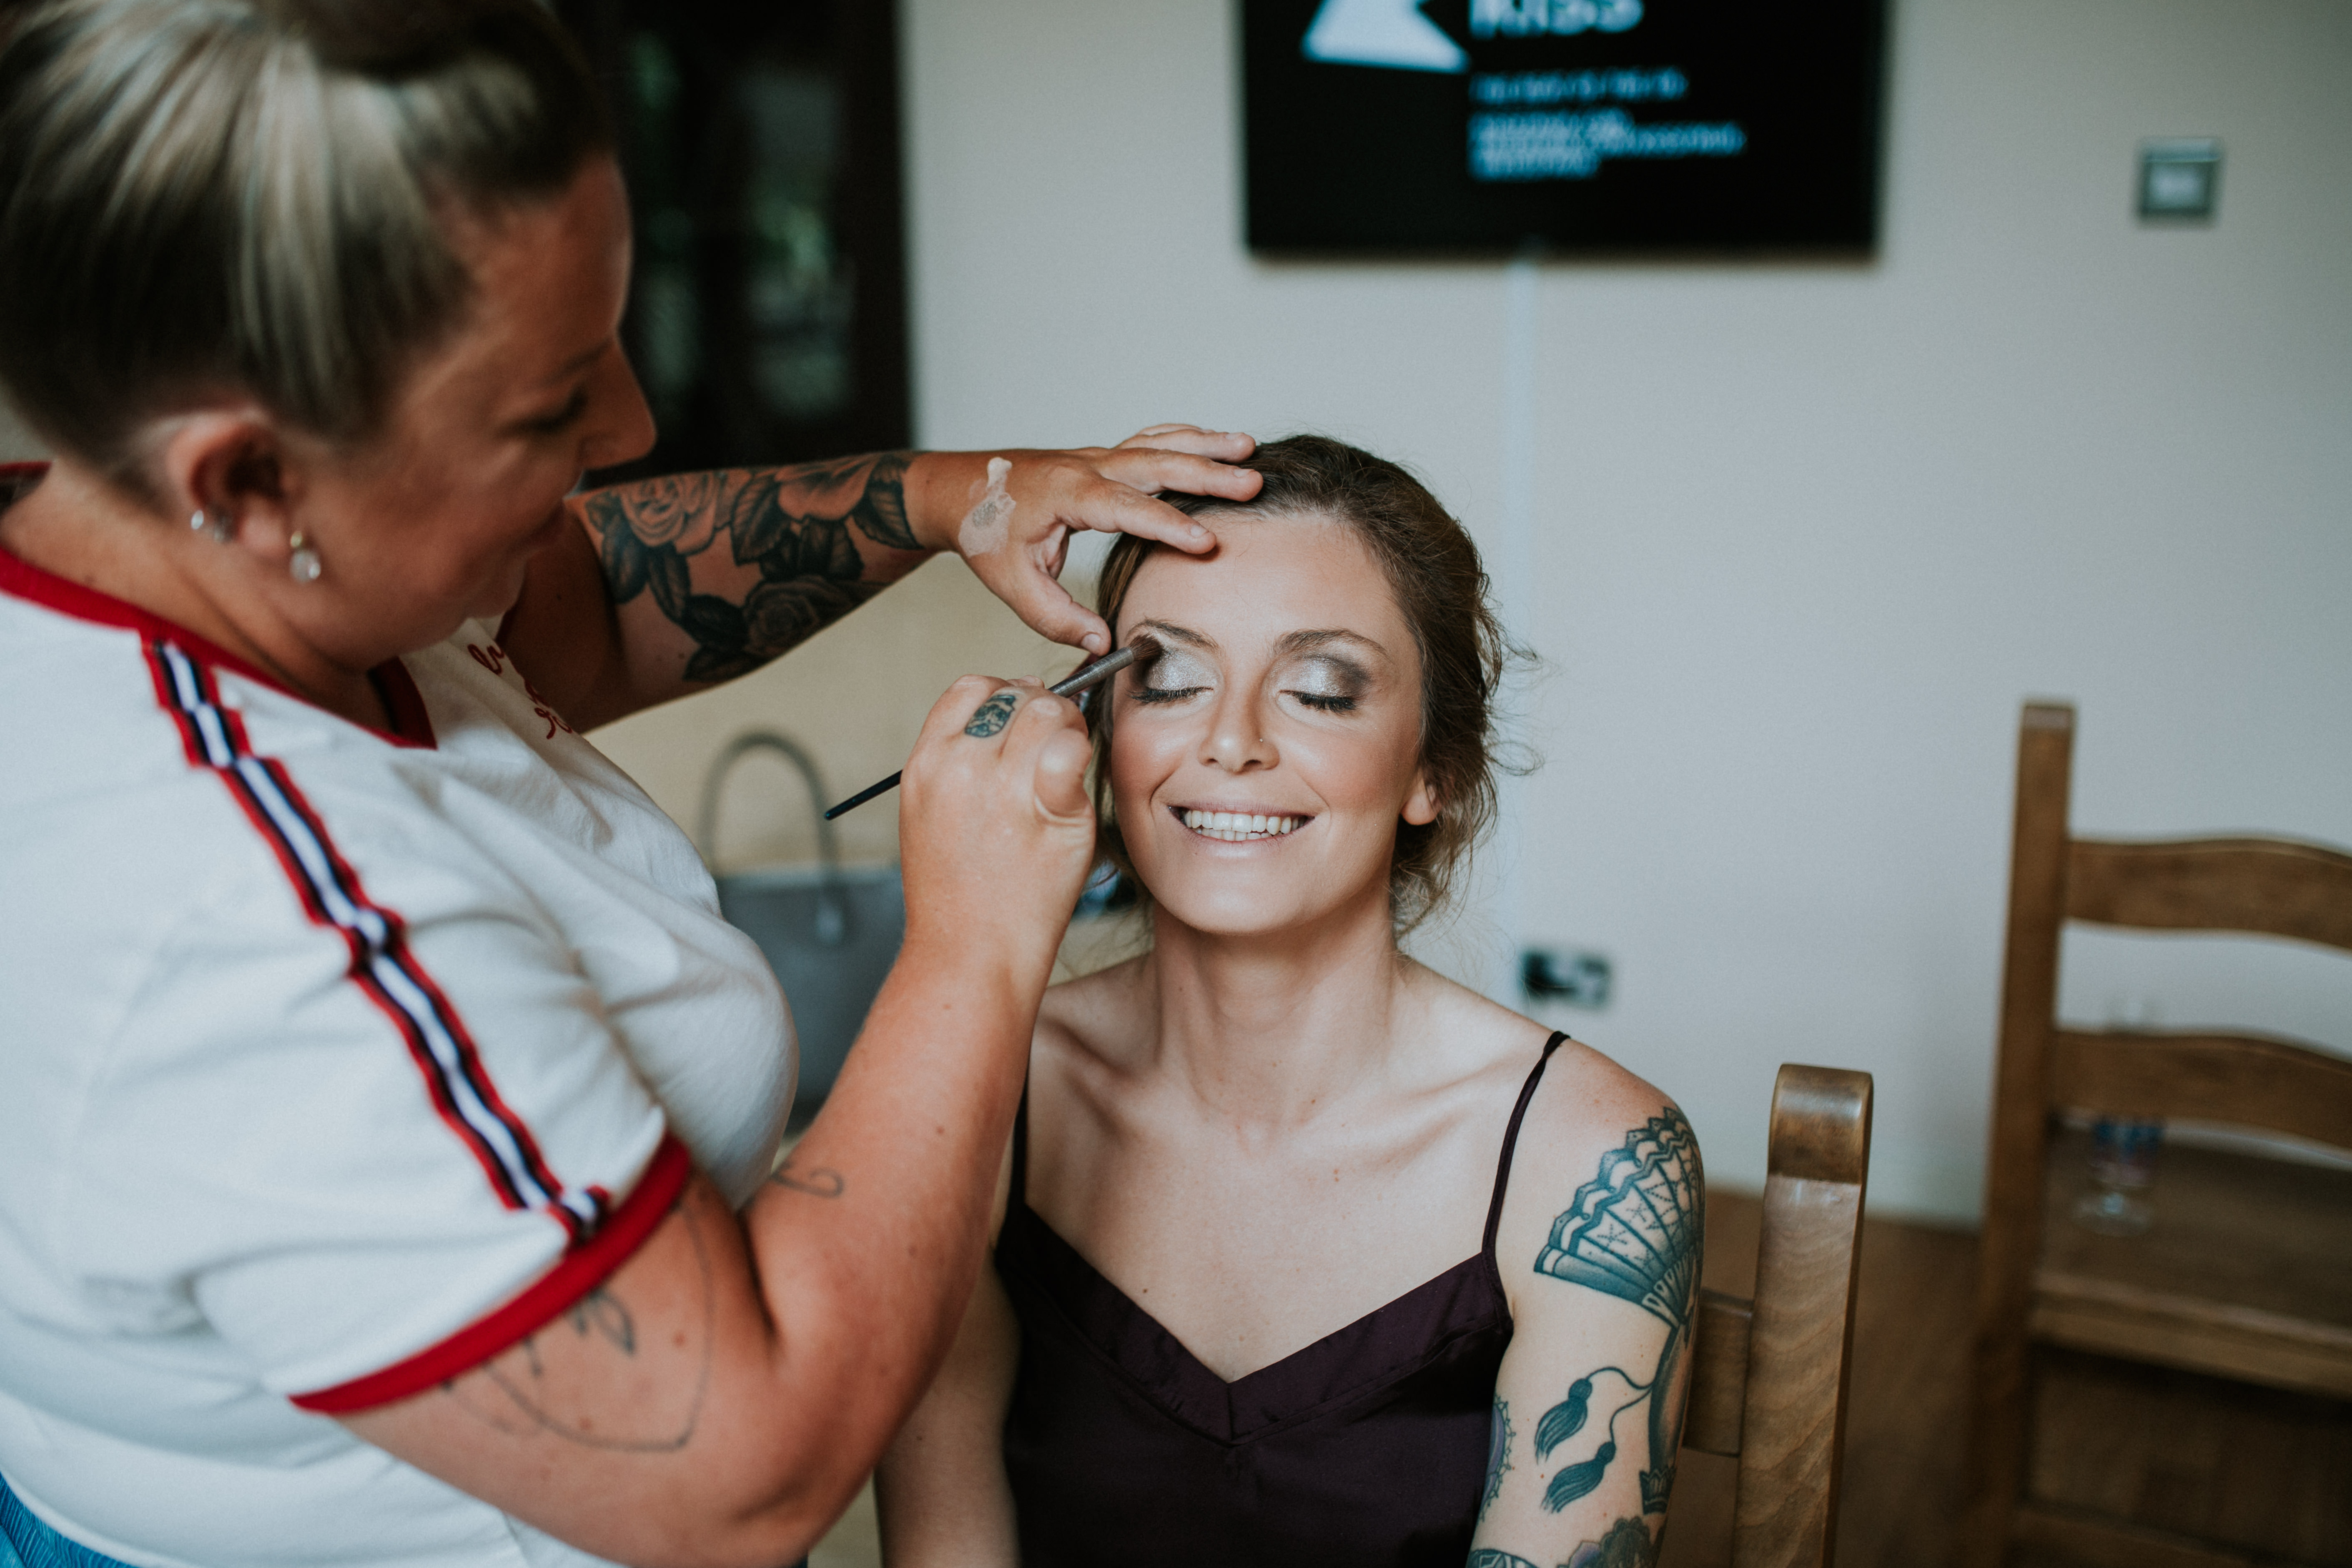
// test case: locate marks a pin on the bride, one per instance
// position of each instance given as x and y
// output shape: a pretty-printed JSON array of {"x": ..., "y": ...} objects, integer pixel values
[{"x": 1308, "y": 1255}]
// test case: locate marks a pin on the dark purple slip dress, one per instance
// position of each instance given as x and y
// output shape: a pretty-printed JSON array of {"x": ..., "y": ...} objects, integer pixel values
[{"x": 1367, "y": 1447}]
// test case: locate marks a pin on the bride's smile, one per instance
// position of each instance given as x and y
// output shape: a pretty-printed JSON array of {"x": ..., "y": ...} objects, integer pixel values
[{"x": 1266, "y": 757}]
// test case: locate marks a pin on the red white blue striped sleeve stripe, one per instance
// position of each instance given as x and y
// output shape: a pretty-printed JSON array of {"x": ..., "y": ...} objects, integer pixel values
[
  {"x": 381, "y": 964},
  {"x": 600, "y": 1234}
]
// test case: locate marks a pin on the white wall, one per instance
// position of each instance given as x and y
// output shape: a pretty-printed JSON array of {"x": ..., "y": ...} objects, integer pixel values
[
  {"x": 1805, "y": 534},
  {"x": 17, "y": 443}
]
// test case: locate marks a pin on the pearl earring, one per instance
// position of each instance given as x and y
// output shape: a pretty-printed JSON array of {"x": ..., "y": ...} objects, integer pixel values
[{"x": 304, "y": 562}]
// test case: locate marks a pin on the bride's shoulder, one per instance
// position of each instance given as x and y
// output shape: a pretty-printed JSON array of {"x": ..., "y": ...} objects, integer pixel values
[
  {"x": 1584, "y": 1104},
  {"x": 1595, "y": 1137},
  {"x": 1092, "y": 1021}
]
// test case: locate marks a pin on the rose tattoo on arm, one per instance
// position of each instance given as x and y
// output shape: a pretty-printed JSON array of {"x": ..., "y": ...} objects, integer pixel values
[{"x": 793, "y": 563}]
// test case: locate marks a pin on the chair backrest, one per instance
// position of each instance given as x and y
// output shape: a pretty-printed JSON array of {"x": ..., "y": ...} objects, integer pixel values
[
  {"x": 1768, "y": 1377},
  {"x": 2265, "y": 887},
  {"x": 2256, "y": 886}
]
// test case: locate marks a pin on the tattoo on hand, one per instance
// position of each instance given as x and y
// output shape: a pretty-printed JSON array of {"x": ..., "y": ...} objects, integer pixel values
[
  {"x": 823, "y": 1182},
  {"x": 1635, "y": 1231},
  {"x": 1499, "y": 1455},
  {"x": 993, "y": 715},
  {"x": 794, "y": 524},
  {"x": 522, "y": 1400}
]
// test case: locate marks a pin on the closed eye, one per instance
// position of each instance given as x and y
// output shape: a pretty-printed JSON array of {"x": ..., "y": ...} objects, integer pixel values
[
  {"x": 1172, "y": 675},
  {"x": 561, "y": 419},
  {"x": 1324, "y": 704}
]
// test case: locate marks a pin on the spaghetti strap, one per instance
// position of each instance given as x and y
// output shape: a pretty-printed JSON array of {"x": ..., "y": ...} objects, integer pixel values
[{"x": 1502, "y": 1166}]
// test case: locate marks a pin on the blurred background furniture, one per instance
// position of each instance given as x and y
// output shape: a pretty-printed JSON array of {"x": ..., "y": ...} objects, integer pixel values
[
  {"x": 1768, "y": 1377},
  {"x": 2247, "y": 1273},
  {"x": 766, "y": 318}
]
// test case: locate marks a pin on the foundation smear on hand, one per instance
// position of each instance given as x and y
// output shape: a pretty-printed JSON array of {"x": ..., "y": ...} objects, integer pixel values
[{"x": 984, "y": 526}]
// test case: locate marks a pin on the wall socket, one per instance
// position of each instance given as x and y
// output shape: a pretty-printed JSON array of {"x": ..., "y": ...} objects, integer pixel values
[{"x": 1558, "y": 975}]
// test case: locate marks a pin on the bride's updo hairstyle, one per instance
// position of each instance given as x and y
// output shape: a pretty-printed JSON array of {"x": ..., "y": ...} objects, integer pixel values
[
  {"x": 247, "y": 197},
  {"x": 1432, "y": 569}
]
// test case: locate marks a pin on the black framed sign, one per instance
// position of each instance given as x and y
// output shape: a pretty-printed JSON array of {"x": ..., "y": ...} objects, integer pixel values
[{"x": 1587, "y": 125}]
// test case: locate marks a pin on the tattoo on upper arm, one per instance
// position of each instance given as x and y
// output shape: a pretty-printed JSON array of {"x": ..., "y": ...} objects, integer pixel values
[
  {"x": 823, "y": 1182},
  {"x": 1635, "y": 1231},
  {"x": 1499, "y": 1455},
  {"x": 811, "y": 572},
  {"x": 1487, "y": 1557},
  {"x": 518, "y": 1400},
  {"x": 602, "y": 1310}
]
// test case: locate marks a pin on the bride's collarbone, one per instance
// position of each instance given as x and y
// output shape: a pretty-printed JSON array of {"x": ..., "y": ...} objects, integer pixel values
[
  {"x": 1245, "y": 1259},
  {"x": 1265, "y": 1281}
]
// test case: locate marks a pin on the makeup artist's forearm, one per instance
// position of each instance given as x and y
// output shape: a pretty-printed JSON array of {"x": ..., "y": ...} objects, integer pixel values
[
  {"x": 710, "y": 575},
  {"x": 888, "y": 1197}
]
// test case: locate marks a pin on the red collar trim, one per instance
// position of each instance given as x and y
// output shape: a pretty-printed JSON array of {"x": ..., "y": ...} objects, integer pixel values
[{"x": 411, "y": 724}]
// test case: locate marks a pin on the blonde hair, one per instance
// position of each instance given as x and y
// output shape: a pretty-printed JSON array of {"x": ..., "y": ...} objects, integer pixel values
[{"x": 199, "y": 195}]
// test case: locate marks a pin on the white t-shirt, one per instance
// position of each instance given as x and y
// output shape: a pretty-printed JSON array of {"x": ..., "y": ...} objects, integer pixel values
[{"x": 331, "y": 1062}]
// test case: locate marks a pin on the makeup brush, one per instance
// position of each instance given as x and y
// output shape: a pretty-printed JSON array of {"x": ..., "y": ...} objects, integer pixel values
[{"x": 1088, "y": 677}]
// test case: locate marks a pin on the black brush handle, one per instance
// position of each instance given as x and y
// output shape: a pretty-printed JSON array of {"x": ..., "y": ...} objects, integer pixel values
[
  {"x": 1093, "y": 675},
  {"x": 868, "y": 792}
]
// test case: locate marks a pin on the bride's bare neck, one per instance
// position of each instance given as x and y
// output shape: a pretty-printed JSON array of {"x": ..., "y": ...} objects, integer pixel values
[{"x": 1274, "y": 1029}]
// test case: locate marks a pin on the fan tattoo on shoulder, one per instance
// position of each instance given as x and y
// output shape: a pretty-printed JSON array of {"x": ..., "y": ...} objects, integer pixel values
[
  {"x": 1634, "y": 1231},
  {"x": 793, "y": 524}
]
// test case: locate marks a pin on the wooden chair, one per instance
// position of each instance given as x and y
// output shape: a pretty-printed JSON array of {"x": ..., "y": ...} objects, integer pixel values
[
  {"x": 2248, "y": 1272},
  {"x": 1768, "y": 1377}
]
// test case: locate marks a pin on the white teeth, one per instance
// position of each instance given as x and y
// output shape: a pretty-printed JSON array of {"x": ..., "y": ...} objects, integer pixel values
[{"x": 1239, "y": 826}]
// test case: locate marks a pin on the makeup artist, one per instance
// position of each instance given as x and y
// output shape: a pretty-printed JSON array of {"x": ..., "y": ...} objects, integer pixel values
[{"x": 386, "y": 1113}]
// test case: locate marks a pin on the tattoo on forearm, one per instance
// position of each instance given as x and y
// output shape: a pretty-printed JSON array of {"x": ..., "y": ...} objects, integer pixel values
[
  {"x": 1635, "y": 1231},
  {"x": 1499, "y": 1455},
  {"x": 1628, "y": 1544},
  {"x": 793, "y": 524},
  {"x": 523, "y": 1399},
  {"x": 823, "y": 1182},
  {"x": 993, "y": 715}
]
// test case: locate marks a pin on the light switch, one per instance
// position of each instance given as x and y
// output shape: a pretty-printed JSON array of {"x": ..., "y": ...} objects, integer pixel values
[{"x": 2180, "y": 179}]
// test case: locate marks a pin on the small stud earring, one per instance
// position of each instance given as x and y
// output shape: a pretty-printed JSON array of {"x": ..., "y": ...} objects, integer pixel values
[
  {"x": 304, "y": 562},
  {"x": 222, "y": 527}
]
